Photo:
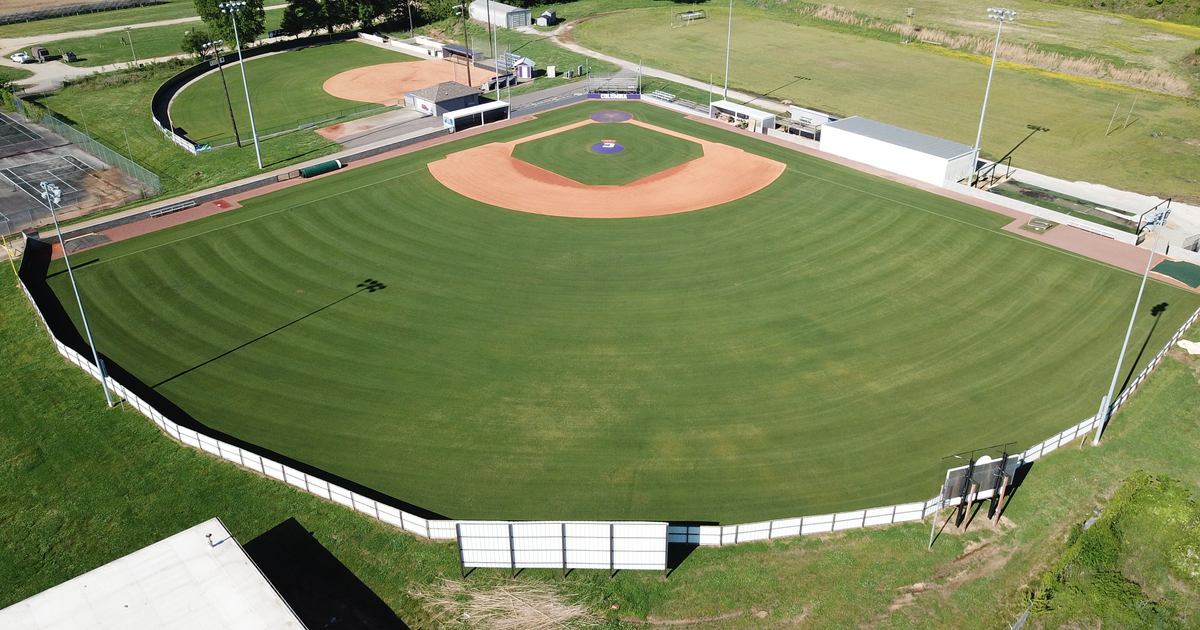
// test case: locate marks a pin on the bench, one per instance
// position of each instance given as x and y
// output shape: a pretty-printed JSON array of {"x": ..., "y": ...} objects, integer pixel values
[{"x": 175, "y": 207}]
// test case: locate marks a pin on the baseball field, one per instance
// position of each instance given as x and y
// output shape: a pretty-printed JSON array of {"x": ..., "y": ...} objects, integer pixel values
[
  {"x": 284, "y": 88},
  {"x": 818, "y": 344}
]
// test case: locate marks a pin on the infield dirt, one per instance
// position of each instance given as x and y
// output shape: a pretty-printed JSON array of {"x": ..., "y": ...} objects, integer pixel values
[{"x": 386, "y": 83}]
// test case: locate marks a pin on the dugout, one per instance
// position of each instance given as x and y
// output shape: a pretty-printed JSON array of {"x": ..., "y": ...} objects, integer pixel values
[
  {"x": 902, "y": 151},
  {"x": 463, "y": 119},
  {"x": 755, "y": 120},
  {"x": 441, "y": 98}
]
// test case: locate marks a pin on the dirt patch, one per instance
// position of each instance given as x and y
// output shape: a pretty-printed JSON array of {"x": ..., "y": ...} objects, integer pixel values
[
  {"x": 657, "y": 621},
  {"x": 724, "y": 174},
  {"x": 386, "y": 83}
]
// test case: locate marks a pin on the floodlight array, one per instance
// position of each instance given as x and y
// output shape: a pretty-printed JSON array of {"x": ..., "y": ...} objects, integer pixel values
[{"x": 1002, "y": 14}]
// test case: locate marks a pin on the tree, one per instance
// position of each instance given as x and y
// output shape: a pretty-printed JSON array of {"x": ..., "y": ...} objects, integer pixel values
[
  {"x": 250, "y": 21},
  {"x": 194, "y": 41}
]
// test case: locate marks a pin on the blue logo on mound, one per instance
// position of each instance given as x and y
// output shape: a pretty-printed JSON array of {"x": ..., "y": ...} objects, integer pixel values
[{"x": 607, "y": 146}]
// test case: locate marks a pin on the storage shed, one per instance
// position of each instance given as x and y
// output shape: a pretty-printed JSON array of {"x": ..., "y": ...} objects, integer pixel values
[
  {"x": 441, "y": 98},
  {"x": 502, "y": 14},
  {"x": 755, "y": 120},
  {"x": 902, "y": 151},
  {"x": 464, "y": 119}
]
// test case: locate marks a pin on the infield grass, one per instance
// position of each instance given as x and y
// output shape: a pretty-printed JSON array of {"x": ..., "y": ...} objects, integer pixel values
[
  {"x": 818, "y": 346},
  {"x": 571, "y": 153},
  {"x": 284, "y": 89}
]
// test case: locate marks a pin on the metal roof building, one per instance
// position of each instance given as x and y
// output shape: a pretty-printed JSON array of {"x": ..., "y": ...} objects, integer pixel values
[
  {"x": 198, "y": 579},
  {"x": 441, "y": 98},
  {"x": 502, "y": 14},
  {"x": 902, "y": 151}
]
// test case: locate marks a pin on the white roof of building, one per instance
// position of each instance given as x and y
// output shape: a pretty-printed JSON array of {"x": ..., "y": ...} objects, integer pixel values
[
  {"x": 899, "y": 136},
  {"x": 756, "y": 114},
  {"x": 497, "y": 7},
  {"x": 181, "y": 583},
  {"x": 476, "y": 109}
]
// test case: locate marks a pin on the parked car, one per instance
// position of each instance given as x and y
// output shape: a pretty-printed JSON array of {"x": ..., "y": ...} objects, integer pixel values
[
  {"x": 21, "y": 58},
  {"x": 68, "y": 57}
]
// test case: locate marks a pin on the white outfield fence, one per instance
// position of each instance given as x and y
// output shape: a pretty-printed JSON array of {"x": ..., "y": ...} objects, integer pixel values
[
  {"x": 611, "y": 545},
  {"x": 639, "y": 546}
]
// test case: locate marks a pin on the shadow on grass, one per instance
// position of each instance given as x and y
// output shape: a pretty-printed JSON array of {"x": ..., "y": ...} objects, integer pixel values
[
  {"x": 33, "y": 272},
  {"x": 319, "y": 588}
]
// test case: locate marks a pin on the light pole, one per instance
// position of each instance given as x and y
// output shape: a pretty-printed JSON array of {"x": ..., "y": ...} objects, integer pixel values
[
  {"x": 220, "y": 68},
  {"x": 1155, "y": 218},
  {"x": 1002, "y": 15},
  {"x": 233, "y": 8},
  {"x": 129, "y": 36},
  {"x": 728, "y": 44},
  {"x": 53, "y": 195}
]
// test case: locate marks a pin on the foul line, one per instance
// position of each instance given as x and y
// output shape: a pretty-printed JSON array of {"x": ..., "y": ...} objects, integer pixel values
[
  {"x": 262, "y": 216},
  {"x": 1001, "y": 231}
]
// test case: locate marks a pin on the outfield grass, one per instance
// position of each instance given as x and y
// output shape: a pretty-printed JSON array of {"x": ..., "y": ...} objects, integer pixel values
[
  {"x": 149, "y": 43},
  {"x": 929, "y": 90},
  {"x": 570, "y": 153},
  {"x": 767, "y": 358},
  {"x": 284, "y": 88},
  {"x": 103, "y": 104},
  {"x": 81, "y": 485}
]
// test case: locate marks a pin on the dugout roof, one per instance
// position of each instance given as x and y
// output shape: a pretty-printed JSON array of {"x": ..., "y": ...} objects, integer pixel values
[
  {"x": 442, "y": 92},
  {"x": 899, "y": 136}
]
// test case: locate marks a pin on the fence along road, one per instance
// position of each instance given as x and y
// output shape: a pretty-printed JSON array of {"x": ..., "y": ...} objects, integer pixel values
[{"x": 636, "y": 547}]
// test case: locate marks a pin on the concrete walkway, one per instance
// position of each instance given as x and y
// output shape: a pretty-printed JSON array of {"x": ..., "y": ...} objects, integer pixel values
[{"x": 563, "y": 37}]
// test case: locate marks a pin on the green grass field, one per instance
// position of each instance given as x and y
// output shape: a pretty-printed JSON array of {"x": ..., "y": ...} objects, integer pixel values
[
  {"x": 284, "y": 88},
  {"x": 817, "y": 346},
  {"x": 930, "y": 90},
  {"x": 570, "y": 153},
  {"x": 149, "y": 43},
  {"x": 168, "y": 10}
]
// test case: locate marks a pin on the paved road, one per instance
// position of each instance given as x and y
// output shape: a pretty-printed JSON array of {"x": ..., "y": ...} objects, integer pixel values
[{"x": 50, "y": 76}]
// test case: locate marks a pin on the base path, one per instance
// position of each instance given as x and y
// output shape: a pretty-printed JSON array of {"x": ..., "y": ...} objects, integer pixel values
[
  {"x": 386, "y": 83},
  {"x": 724, "y": 174}
]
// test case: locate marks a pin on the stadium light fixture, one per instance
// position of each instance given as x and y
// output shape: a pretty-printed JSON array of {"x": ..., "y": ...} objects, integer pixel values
[
  {"x": 1002, "y": 16},
  {"x": 233, "y": 8},
  {"x": 1156, "y": 218},
  {"x": 53, "y": 196},
  {"x": 728, "y": 44}
]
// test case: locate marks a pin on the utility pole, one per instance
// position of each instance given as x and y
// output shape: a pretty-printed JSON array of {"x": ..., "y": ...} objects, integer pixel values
[
  {"x": 53, "y": 195},
  {"x": 129, "y": 36},
  {"x": 233, "y": 8},
  {"x": 728, "y": 44}
]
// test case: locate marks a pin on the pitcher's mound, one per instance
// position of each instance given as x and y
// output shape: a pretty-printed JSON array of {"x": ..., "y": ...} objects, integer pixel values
[{"x": 386, "y": 83}]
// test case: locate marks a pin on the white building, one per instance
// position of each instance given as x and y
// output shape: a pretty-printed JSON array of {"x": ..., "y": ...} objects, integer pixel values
[
  {"x": 198, "y": 579},
  {"x": 748, "y": 118},
  {"x": 902, "y": 151},
  {"x": 502, "y": 14},
  {"x": 436, "y": 100}
]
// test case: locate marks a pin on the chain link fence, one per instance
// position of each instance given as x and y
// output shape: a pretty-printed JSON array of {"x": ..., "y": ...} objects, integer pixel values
[
  {"x": 92, "y": 146},
  {"x": 303, "y": 123}
]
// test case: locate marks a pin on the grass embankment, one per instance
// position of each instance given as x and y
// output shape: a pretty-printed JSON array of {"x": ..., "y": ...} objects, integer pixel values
[
  {"x": 708, "y": 365},
  {"x": 284, "y": 89},
  {"x": 17, "y": 75},
  {"x": 169, "y": 10},
  {"x": 537, "y": 48},
  {"x": 149, "y": 43},
  {"x": 113, "y": 105},
  {"x": 931, "y": 93},
  {"x": 570, "y": 153},
  {"x": 81, "y": 485}
]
